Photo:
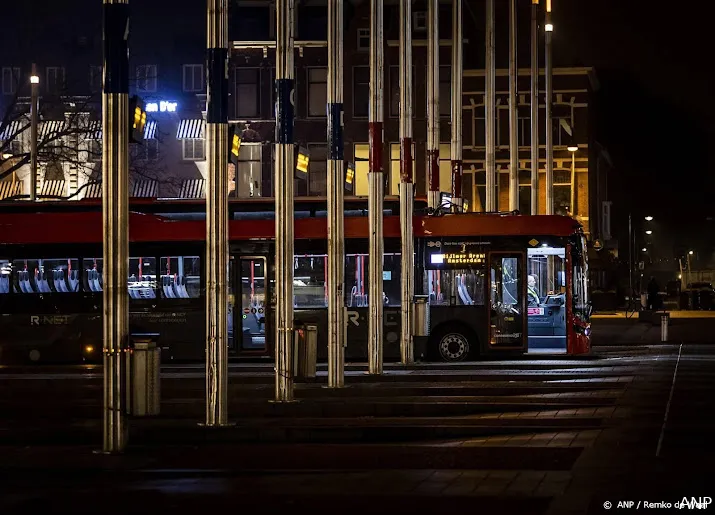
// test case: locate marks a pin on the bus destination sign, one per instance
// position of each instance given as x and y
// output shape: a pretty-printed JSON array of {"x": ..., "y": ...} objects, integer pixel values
[
  {"x": 457, "y": 259},
  {"x": 445, "y": 255}
]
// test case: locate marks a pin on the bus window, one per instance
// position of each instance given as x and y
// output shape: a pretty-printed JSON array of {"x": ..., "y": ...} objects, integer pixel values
[
  {"x": 455, "y": 287},
  {"x": 180, "y": 277},
  {"x": 5, "y": 271},
  {"x": 142, "y": 278},
  {"x": 30, "y": 276},
  {"x": 357, "y": 269},
  {"x": 93, "y": 274},
  {"x": 581, "y": 307},
  {"x": 310, "y": 279},
  {"x": 62, "y": 275},
  {"x": 546, "y": 274},
  {"x": 546, "y": 298}
]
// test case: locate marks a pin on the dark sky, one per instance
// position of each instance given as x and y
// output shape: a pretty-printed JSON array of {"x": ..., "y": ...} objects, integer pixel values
[{"x": 655, "y": 107}]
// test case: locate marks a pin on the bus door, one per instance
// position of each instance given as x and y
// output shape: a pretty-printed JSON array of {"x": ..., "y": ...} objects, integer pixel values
[
  {"x": 507, "y": 292},
  {"x": 247, "y": 305}
]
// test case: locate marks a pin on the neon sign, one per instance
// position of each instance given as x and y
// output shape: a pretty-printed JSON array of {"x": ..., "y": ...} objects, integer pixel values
[{"x": 162, "y": 107}]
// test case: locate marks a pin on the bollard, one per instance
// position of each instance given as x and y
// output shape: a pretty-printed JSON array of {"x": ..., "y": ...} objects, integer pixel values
[{"x": 664, "y": 319}]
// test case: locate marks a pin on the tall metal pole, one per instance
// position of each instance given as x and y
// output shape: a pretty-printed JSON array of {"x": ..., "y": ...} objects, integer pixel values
[
  {"x": 407, "y": 249},
  {"x": 34, "y": 121},
  {"x": 284, "y": 170},
  {"x": 513, "y": 113},
  {"x": 336, "y": 188},
  {"x": 457, "y": 66},
  {"x": 534, "y": 107},
  {"x": 217, "y": 214},
  {"x": 433, "y": 200},
  {"x": 549, "y": 28},
  {"x": 490, "y": 111},
  {"x": 115, "y": 220},
  {"x": 376, "y": 187}
]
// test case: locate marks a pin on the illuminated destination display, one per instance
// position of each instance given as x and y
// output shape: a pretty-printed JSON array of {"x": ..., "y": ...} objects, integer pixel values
[{"x": 470, "y": 258}]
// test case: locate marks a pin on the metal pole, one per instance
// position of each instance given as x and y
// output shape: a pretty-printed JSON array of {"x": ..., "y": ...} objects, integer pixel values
[
  {"x": 336, "y": 188},
  {"x": 513, "y": 113},
  {"x": 490, "y": 111},
  {"x": 457, "y": 72},
  {"x": 407, "y": 250},
  {"x": 549, "y": 123},
  {"x": 217, "y": 213},
  {"x": 376, "y": 184},
  {"x": 534, "y": 107},
  {"x": 284, "y": 170},
  {"x": 115, "y": 220},
  {"x": 433, "y": 200},
  {"x": 34, "y": 120}
]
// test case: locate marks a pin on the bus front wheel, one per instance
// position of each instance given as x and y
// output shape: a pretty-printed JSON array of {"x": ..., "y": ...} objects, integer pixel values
[{"x": 452, "y": 343}]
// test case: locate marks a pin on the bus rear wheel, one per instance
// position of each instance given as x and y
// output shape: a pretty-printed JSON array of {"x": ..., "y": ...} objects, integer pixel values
[{"x": 453, "y": 343}]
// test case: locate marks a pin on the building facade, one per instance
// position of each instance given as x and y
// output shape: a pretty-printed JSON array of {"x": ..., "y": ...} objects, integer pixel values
[{"x": 167, "y": 53}]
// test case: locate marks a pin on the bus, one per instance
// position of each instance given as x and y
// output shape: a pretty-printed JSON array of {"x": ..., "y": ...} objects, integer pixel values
[{"x": 496, "y": 283}]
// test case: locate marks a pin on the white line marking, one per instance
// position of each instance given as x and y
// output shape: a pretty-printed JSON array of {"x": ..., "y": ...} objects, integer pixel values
[{"x": 667, "y": 406}]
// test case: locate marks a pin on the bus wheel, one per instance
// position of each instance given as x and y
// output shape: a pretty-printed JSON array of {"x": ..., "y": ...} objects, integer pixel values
[{"x": 452, "y": 343}]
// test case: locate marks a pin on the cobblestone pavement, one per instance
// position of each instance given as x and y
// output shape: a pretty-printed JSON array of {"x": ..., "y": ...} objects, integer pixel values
[{"x": 555, "y": 436}]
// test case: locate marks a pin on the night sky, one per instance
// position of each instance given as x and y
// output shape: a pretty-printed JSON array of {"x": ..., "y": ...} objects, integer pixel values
[{"x": 655, "y": 107}]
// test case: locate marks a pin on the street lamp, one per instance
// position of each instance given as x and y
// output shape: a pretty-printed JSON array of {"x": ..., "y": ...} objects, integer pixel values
[
  {"x": 690, "y": 253},
  {"x": 572, "y": 147},
  {"x": 644, "y": 249},
  {"x": 34, "y": 79},
  {"x": 648, "y": 218},
  {"x": 649, "y": 232}
]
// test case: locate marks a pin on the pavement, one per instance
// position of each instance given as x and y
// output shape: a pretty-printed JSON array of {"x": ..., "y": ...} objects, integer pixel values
[{"x": 632, "y": 422}]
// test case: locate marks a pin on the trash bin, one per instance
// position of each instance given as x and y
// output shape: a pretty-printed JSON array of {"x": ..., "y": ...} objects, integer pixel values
[
  {"x": 143, "y": 374},
  {"x": 664, "y": 323},
  {"x": 421, "y": 327},
  {"x": 305, "y": 351}
]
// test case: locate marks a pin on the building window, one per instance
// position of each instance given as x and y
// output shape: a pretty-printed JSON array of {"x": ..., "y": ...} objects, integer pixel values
[
  {"x": 362, "y": 167},
  {"x": 55, "y": 79},
  {"x": 146, "y": 78},
  {"x": 363, "y": 39},
  {"x": 248, "y": 98},
  {"x": 445, "y": 91},
  {"x": 317, "y": 91},
  {"x": 525, "y": 192},
  {"x": 361, "y": 91},
  {"x": 193, "y": 150},
  {"x": 95, "y": 79},
  {"x": 419, "y": 21},
  {"x": 193, "y": 77},
  {"x": 149, "y": 150},
  {"x": 395, "y": 90},
  {"x": 248, "y": 178},
  {"x": 94, "y": 150},
  {"x": 318, "y": 170},
  {"x": 10, "y": 80},
  {"x": 562, "y": 192}
]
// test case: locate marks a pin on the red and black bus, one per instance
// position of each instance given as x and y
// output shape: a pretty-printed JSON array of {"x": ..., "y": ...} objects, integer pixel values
[{"x": 496, "y": 283}]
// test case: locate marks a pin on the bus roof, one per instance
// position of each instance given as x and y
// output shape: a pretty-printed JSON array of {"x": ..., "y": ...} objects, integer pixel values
[{"x": 85, "y": 226}]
